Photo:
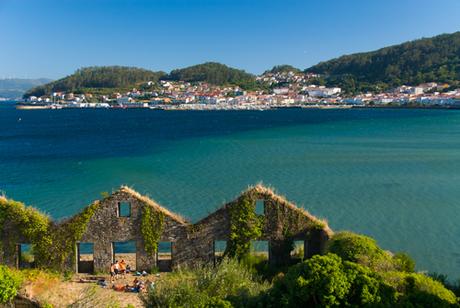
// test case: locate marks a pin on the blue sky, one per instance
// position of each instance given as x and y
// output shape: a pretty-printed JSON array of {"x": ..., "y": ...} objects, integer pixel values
[{"x": 53, "y": 38}]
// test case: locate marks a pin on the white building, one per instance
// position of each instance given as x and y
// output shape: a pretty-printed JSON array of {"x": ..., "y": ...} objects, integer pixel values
[
  {"x": 281, "y": 91},
  {"x": 324, "y": 92}
]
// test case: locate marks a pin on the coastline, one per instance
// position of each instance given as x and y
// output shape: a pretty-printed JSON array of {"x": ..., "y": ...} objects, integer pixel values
[{"x": 234, "y": 108}]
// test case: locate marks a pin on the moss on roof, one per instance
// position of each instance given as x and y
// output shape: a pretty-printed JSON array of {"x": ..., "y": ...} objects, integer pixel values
[{"x": 146, "y": 200}]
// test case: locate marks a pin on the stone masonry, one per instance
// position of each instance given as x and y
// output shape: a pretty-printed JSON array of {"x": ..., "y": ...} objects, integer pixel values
[{"x": 191, "y": 244}]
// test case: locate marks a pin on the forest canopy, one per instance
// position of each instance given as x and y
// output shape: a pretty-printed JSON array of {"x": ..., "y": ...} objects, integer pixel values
[
  {"x": 213, "y": 73},
  {"x": 97, "y": 77},
  {"x": 424, "y": 60}
]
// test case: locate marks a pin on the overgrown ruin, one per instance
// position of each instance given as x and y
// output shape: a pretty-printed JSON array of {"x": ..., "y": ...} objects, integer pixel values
[{"x": 127, "y": 216}]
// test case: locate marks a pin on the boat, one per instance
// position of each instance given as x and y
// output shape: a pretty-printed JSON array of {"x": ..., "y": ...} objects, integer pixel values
[{"x": 32, "y": 106}]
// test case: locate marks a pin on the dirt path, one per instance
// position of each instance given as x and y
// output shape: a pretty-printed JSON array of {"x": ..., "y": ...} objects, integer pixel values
[{"x": 83, "y": 291}]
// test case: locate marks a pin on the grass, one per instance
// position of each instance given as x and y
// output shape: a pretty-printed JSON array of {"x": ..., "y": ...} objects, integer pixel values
[
  {"x": 52, "y": 289},
  {"x": 229, "y": 282}
]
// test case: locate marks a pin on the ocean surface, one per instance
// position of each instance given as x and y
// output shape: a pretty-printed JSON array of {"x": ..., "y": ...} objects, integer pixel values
[{"x": 390, "y": 174}]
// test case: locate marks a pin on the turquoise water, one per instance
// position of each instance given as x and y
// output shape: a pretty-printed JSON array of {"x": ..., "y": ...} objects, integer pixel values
[{"x": 390, "y": 174}]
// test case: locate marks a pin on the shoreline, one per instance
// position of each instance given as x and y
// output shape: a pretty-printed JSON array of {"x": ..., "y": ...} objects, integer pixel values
[{"x": 261, "y": 108}]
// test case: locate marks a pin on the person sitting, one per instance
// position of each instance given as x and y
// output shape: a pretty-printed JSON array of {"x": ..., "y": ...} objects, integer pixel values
[
  {"x": 118, "y": 287},
  {"x": 128, "y": 269},
  {"x": 138, "y": 286},
  {"x": 122, "y": 267},
  {"x": 102, "y": 283},
  {"x": 116, "y": 269},
  {"x": 112, "y": 272}
]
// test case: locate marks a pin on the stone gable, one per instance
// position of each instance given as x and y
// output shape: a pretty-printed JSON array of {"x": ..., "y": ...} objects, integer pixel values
[{"x": 118, "y": 218}]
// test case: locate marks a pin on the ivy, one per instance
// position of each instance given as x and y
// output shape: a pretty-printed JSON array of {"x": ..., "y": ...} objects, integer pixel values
[
  {"x": 151, "y": 228},
  {"x": 51, "y": 243},
  {"x": 63, "y": 238},
  {"x": 20, "y": 222},
  {"x": 245, "y": 225}
]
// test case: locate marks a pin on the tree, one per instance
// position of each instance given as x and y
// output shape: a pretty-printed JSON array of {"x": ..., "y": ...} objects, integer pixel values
[
  {"x": 212, "y": 72},
  {"x": 101, "y": 77},
  {"x": 424, "y": 60}
]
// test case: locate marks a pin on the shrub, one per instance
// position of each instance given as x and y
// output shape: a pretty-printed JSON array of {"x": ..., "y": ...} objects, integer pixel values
[
  {"x": 230, "y": 283},
  {"x": 454, "y": 286},
  {"x": 10, "y": 281},
  {"x": 404, "y": 262},
  {"x": 417, "y": 289},
  {"x": 328, "y": 281},
  {"x": 360, "y": 249}
]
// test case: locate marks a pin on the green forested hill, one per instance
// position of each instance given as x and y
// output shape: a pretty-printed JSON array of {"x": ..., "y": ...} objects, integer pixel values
[
  {"x": 212, "y": 72},
  {"x": 423, "y": 60},
  {"x": 97, "y": 77},
  {"x": 284, "y": 68}
]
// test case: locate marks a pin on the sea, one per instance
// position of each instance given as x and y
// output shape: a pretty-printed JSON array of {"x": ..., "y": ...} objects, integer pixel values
[{"x": 392, "y": 174}]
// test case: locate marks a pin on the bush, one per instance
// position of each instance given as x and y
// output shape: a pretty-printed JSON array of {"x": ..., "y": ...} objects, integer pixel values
[
  {"x": 10, "y": 282},
  {"x": 228, "y": 284},
  {"x": 404, "y": 262},
  {"x": 328, "y": 281},
  {"x": 417, "y": 289},
  {"x": 454, "y": 286},
  {"x": 360, "y": 249}
]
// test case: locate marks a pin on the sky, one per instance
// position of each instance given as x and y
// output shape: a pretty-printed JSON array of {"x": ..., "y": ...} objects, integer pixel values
[{"x": 53, "y": 38}]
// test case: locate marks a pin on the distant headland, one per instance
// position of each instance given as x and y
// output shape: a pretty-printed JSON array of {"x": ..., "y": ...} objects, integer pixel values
[{"x": 420, "y": 73}]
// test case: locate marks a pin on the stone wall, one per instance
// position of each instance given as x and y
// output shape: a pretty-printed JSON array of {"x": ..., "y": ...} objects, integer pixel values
[
  {"x": 192, "y": 244},
  {"x": 107, "y": 227}
]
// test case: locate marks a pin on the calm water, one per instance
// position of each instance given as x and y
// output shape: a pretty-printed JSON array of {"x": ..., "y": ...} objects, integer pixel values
[{"x": 391, "y": 174}]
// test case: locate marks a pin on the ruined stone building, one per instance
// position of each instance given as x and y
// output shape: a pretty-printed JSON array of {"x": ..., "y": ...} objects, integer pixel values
[{"x": 117, "y": 221}]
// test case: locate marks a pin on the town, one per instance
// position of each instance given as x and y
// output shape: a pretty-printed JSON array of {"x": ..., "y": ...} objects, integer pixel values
[{"x": 285, "y": 89}]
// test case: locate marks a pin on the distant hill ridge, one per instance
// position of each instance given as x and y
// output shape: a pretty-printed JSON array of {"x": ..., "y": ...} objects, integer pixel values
[
  {"x": 414, "y": 62},
  {"x": 98, "y": 77},
  {"x": 211, "y": 72},
  {"x": 284, "y": 68},
  {"x": 13, "y": 88}
]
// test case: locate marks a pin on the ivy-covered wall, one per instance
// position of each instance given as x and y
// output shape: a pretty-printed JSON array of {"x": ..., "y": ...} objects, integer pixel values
[
  {"x": 236, "y": 222},
  {"x": 147, "y": 225}
]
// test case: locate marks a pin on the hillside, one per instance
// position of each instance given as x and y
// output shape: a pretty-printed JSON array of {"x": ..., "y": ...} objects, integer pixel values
[
  {"x": 423, "y": 60},
  {"x": 213, "y": 73},
  {"x": 284, "y": 68},
  {"x": 13, "y": 88},
  {"x": 97, "y": 77}
]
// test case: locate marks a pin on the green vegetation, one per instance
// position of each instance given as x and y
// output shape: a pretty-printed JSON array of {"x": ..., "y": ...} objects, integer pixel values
[
  {"x": 63, "y": 238},
  {"x": 355, "y": 271},
  {"x": 151, "y": 228},
  {"x": 9, "y": 284},
  {"x": 365, "y": 251},
  {"x": 284, "y": 68},
  {"x": 21, "y": 223},
  {"x": 360, "y": 249},
  {"x": 420, "y": 290},
  {"x": 227, "y": 285},
  {"x": 97, "y": 77},
  {"x": 425, "y": 60},
  {"x": 213, "y": 73},
  {"x": 245, "y": 225},
  {"x": 325, "y": 281},
  {"x": 360, "y": 273},
  {"x": 51, "y": 243}
]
